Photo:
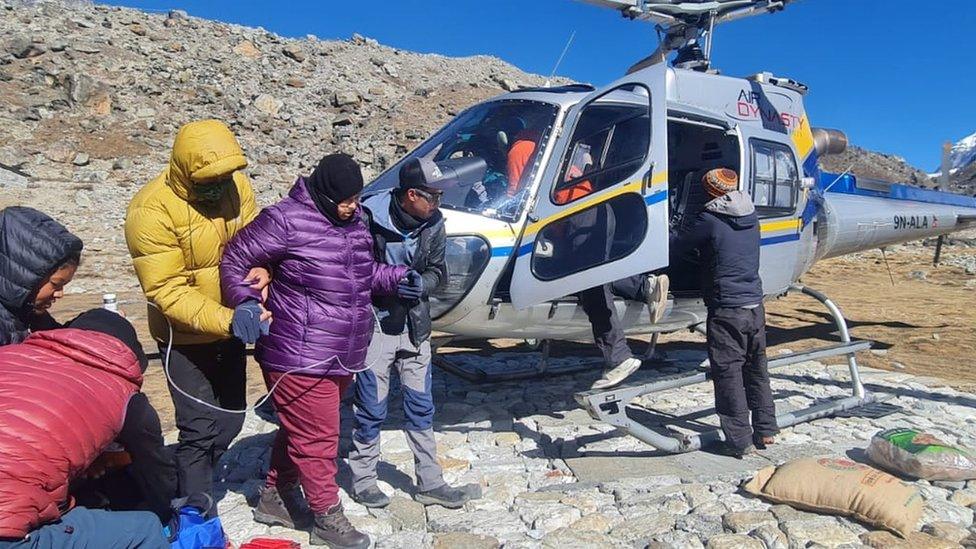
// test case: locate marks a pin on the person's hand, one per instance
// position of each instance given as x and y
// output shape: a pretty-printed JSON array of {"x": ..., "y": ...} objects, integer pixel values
[
  {"x": 411, "y": 286},
  {"x": 260, "y": 279},
  {"x": 246, "y": 323}
]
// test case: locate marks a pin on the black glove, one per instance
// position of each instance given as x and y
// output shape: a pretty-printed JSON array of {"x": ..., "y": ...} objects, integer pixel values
[
  {"x": 246, "y": 324},
  {"x": 412, "y": 286}
]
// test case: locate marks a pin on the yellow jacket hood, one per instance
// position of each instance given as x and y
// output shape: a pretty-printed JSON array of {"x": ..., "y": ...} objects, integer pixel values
[{"x": 202, "y": 151}]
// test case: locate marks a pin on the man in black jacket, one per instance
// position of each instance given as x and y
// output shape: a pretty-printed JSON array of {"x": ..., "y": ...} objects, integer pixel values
[
  {"x": 408, "y": 229},
  {"x": 726, "y": 234}
]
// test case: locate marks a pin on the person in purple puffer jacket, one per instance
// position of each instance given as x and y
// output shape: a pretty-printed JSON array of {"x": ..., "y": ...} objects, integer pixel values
[{"x": 324, "y": 274}]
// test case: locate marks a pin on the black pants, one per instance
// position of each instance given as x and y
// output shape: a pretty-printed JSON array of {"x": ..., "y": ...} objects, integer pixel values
[
  {"x": 213, "y": 373},
  {"x": 152, "y": 466},
  {"x": 633, "y": 288},
  {"x": 737, "y": 356},
  {"x": 609, "y": 337}
]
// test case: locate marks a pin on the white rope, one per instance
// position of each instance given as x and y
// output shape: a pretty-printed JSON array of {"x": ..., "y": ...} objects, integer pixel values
[{"x": 262, "y": 400}]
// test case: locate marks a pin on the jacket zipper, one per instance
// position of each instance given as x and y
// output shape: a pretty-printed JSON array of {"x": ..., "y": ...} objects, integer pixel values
[{"x": 352, "y": 285}]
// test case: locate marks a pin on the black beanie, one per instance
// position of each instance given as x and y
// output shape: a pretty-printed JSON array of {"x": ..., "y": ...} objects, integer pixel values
[
  {"x": 336, "y": 178},
  {"x": 113, "y": 324}
]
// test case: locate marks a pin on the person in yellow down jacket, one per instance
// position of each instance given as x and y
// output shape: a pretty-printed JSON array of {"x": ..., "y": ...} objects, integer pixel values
[{"x": 176, "y": 228}]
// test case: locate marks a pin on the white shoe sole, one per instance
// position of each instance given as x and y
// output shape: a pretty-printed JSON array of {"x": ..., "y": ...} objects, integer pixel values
[
  {"x": 617, "y": 375},
  {"x": 657, "y": 301}
]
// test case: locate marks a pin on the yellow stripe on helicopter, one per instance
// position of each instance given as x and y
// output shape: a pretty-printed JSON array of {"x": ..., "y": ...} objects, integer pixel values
[{"x": 657, "y": 179}]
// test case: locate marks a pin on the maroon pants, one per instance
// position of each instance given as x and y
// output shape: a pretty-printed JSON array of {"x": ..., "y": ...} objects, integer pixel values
[{"x": 307, "y": 442}]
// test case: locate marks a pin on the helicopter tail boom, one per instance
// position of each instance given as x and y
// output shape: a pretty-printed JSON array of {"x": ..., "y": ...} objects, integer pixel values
[{"x": 863, "y": 214}]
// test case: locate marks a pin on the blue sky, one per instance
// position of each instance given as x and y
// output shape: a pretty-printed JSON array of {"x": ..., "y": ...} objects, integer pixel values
[{"x": 893, "y": 75}]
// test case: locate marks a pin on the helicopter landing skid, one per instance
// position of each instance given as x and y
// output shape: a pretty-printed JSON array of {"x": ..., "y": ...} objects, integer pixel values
[{"x": 610, "y": 406}]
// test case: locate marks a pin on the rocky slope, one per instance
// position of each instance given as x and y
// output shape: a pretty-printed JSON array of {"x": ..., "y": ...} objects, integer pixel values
[
  {"x": 875, "y": 165},
  {"x": 92, "y": 97}
]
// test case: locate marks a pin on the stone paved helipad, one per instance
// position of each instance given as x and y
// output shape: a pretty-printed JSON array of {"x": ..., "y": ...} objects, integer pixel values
[{"x": 554, "y": 477}]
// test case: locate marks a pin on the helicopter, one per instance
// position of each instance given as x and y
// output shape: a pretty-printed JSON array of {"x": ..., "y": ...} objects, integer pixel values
[{"x": 639, "y": 146}]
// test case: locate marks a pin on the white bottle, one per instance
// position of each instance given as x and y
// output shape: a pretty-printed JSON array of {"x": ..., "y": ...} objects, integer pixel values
[{"x": 110, "y": 302}]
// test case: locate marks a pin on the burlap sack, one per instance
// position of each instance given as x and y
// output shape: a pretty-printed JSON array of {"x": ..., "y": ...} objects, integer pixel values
[{"x": 841, "y": 486}]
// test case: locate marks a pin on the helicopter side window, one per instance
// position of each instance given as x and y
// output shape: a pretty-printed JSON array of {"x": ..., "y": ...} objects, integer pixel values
[
  {"x": 610, "y": 142},
  {"x": 774, "y": 179}
]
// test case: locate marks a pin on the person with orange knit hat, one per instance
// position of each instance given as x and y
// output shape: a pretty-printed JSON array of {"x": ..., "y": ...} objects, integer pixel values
[{"x": 726, "y": 234}]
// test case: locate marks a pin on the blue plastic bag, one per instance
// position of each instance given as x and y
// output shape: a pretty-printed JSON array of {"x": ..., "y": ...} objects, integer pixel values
[{"x": 191, "y": 530}]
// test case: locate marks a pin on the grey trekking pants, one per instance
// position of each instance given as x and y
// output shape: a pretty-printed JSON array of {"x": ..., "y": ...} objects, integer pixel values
[{"x": 412, "y": 363}]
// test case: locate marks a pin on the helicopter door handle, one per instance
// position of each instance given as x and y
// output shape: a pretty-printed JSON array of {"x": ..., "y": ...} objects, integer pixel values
[{"x": 646, "y": 180}]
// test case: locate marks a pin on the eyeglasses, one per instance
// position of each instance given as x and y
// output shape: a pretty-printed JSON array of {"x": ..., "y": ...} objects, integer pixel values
[{"x": 433, "y": 198}]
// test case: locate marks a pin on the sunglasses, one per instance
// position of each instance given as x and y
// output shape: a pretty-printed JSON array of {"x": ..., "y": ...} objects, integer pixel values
[{"x": 434, "y": 198}]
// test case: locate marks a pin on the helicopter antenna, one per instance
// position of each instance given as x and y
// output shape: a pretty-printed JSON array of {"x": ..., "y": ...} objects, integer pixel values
[{"x": 560, "y": 60}]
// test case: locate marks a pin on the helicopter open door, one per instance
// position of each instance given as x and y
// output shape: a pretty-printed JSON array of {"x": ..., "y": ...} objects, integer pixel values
[{"x": 601, "y": 212}]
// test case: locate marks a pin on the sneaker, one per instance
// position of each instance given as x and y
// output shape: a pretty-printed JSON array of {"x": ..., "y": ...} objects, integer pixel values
[
  {"x": 617, "y": 374},
  {"x": 657, "y": 296},
  {"x": 333, "y": 529},
  {"x": 371, "y": 497},
  {"x": 445, "y": 496},
  {"x": 283, "y": 506}
]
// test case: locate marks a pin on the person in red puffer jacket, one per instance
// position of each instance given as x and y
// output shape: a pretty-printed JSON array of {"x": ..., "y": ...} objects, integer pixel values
[{"x": 64, "y": 395}]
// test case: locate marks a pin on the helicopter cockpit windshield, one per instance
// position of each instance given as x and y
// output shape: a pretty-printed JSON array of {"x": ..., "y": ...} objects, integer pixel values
[{"x": 495, "y": 149}]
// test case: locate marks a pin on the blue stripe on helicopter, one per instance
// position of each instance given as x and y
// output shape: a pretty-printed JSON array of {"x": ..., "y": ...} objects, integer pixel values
[
  {"x": 507, "y": 250},
  {"x": 650, "y": 200},
  {"x": 810, "y": 167},
  {"x": 659, "y": 196},
  {"x": 525, "y": 249},
  {"x": 847, "y": 184},
  {"x": 811, "y": 209},
  {"x": 779, "y": 239}
]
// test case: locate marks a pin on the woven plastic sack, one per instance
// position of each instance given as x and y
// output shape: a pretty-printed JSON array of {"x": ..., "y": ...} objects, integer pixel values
[
  {"x": 921, "y": 455},
  {"x": 841, "y": 487}
]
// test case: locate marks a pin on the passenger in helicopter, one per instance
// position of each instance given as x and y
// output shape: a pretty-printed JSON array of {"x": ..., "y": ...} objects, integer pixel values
[
  {"x": 522, "y": 151},
  {"x": 591, "y": 232}
]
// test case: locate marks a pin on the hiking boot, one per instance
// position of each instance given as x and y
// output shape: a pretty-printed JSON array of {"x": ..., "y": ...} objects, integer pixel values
[
  {"x": 445, "y": 496},
  {"x": 617, "y": 374},
  {"x": 283, "y": 506},
  {"x": 333, "y": 529},
  {"x": 657, "y": 296},
  {"x": 371, "y": 497}
]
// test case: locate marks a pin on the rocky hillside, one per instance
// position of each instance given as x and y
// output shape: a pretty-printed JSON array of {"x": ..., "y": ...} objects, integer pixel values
[
  {"x": 92, "y": 97},
  {"x": 964, "y": 181},
  {"x": 874, "y": 165}
]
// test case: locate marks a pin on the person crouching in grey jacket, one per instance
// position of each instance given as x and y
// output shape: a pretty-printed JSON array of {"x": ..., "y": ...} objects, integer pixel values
[{"x": 408, "y": 229}]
